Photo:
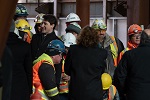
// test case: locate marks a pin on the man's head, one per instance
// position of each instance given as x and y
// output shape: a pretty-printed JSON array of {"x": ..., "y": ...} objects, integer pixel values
[
  {"x": 24, "y": 30},
  {"x": 134, "y": 33},
  {"x": 72, "y": 17},
  {"x": 106, "y": 81},
  {"x": 145, "y": 36},
  {"x": 21, "y": 12},
  {"x": 73, "y": 28},
  {"x": 48, "y": 24},
  {"x": 38, "y": 20},
  {"x": 101, "y": 28},
  {"x": 55, "y": 49}
]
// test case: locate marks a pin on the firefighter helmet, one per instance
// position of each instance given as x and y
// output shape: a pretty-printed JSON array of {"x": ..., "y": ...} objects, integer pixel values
[
  {"x": 106, "y": 81},
  {"x": 56, "y": 45},
  {"x": 22, "y": 25},
  {"x": 133, "y": 29},
  {"x": 72, "y": 17},
  {"x": 39, "y": 18},
  {"x": 21, "y": 10},
  {"x": 69, "y": 39},
  {"x": 99, "y": 24}
]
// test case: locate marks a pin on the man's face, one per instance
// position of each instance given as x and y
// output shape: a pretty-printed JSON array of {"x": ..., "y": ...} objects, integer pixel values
[
  {"x": 46, "y": 27},
  {"x": 101, "y": 34},
  {"x": 135, "y": 39},
  {"x": 57, "y": 58}
]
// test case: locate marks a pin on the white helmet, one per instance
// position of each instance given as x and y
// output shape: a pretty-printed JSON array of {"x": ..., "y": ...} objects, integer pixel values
[
  {"x": 72, "y": 17},
  {"x": 39, "y": 18},
  {"x": 69, "y": 39}
]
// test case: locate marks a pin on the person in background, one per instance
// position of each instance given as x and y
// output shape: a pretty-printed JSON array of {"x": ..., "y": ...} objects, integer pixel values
[
  {"x": 38, "y": 20},
  {"x": 73, "y": 28},
  {"x": 72, "y": 17},
  {"x": 84, "y": 63},
  {"x": 44, "y": 70},
  {"x": 131, "y": 77},
  {"x": 24, "y": 30},
  {"x": 21, "y": 66},
  {"x": 68, "y": 39},
  {"x": 39, "y": 42},
  {"x": 21, "y": 12},
  {"x": 112, "y": 44},
  {"x": 134, "y": 34},
  {"x": 109, "y": 91}
]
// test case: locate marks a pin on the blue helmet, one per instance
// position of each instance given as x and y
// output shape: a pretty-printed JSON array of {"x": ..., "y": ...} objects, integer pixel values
[
  {"x": 21, "y": 10},
  {"x": 56, "y": 45}
]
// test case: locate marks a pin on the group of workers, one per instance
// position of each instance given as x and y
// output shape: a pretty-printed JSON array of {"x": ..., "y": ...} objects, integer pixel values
[{"x": 83, "y": 64}]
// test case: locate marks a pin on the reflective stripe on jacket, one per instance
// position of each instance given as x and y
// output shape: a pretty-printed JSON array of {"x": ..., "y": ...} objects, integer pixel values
[
  {"x": 63, "y": 86},
  {"x": 44, "y": 58},
  {"x": 130, "y": 46},
  {"x": 122, "y": 52},
  {"x": 114, "y": 50}
]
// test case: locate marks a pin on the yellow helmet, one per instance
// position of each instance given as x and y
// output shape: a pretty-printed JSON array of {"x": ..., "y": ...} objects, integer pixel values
[
  {"x": 106, "y": 81},
  {"x": 22, "y": 25},
  {"x": 99, "y": 24}
]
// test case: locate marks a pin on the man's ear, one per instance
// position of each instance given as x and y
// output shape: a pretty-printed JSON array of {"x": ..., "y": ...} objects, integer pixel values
[{"x": 52, "y": 25}]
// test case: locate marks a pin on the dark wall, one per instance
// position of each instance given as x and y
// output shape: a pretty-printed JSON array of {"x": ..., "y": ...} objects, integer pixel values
[{"x": 138, "y": 12}]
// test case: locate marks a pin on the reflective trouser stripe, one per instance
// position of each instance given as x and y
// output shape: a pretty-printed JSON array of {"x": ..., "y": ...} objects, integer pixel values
[{"x": 52, "y": 92}]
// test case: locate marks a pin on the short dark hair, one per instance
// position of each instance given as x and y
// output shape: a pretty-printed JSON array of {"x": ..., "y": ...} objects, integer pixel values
[{"x": 51, "y": 19}]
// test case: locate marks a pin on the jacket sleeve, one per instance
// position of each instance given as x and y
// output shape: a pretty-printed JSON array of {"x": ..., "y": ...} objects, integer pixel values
[
  {"x": 47, "y": 77},
  {"x": 28, "y": 67},
  {"x": 67, "y": 64},
  {"x": 120, "y": 76}
]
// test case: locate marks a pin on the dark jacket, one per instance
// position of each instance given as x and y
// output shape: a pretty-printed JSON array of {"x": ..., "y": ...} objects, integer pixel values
[
  {"x": 132, "y": 76},
  {"x": 6, "y": 73},
  {"x": 21, "y": 69},
  {"x": 85, "y": 66},
  {"x": 39, "y": 44}
]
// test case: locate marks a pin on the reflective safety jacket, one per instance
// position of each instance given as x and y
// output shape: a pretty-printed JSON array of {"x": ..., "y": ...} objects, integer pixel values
[
  {"x": 114, "y": 50},
  {"x": 112, "y": 94},
  {"x": 44, "y": 58},
  {"x": 63, "y": 86},
  {"x": 130, "y": 46}
]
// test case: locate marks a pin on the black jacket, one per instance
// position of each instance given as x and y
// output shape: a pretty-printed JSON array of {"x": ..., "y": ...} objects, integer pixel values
[
  {"x": 85, "y": 66},
  {"x": 132, "y": 76},
  {"x": 39, "y": 43},
  {"x": 21, "y": 69}
]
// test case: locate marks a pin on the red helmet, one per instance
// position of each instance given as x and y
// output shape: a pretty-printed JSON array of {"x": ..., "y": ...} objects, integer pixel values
[{"x": 133, "y": 29}]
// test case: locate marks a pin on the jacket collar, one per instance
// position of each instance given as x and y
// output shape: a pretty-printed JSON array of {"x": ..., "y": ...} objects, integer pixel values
[{"x": 107, "y": 41}]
